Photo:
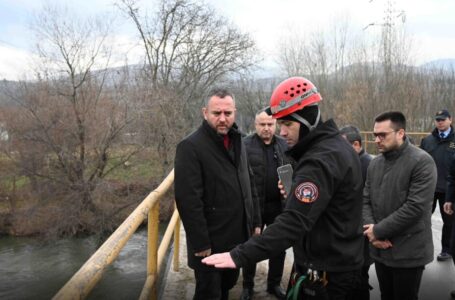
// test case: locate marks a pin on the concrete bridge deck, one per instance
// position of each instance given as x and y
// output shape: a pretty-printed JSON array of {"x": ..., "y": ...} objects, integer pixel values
[{"x": 437, "y": 282}]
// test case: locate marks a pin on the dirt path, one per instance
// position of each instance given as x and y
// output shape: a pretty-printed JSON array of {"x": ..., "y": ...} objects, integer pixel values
[{"x": 180, "y": 285}]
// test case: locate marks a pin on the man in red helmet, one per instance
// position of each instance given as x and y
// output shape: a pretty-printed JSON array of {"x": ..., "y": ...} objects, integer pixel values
[{"x": 322, "y": 219}]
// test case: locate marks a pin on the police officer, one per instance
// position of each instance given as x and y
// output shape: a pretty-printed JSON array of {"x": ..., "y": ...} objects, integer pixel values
[
  {"x": 440, "y": 145},
  {"x": 322, "y": 219}
]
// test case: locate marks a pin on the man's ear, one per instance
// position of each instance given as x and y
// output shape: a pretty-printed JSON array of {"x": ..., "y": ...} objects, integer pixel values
[
  {"x": 356, "y": 145},
  {"x": 401, "y": 133},
  {"x": 204, "y": 112}
]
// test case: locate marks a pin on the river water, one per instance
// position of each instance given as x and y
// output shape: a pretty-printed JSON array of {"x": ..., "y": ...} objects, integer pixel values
[{"x": 31, "y": 268}]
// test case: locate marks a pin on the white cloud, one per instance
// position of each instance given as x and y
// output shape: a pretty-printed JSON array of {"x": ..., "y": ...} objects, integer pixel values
[{"x": 14, "y": 63}]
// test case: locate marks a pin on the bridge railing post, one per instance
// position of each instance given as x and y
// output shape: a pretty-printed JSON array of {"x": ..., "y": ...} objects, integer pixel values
[
  {"x": 152, "y": 245},
  {"x": 176, "y": 245}
]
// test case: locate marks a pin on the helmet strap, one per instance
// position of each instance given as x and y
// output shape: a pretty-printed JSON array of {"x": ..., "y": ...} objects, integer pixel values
[{"x": 305, "y": 122}]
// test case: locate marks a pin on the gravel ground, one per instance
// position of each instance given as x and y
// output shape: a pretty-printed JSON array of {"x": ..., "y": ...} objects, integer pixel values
[
  {"x": 437, "y": 281},
  {"x": 180, "y": 285}
]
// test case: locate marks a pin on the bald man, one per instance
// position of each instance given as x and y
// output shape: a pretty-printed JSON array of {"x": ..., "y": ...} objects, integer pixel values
[{"x": 265, "y": 152}]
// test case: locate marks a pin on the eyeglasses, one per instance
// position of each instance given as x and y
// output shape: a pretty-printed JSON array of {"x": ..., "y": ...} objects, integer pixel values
[{"x": 382, "y": 135}]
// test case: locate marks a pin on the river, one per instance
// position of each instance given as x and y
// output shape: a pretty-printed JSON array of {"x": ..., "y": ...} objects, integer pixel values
[{"x": 31, "y": 268}]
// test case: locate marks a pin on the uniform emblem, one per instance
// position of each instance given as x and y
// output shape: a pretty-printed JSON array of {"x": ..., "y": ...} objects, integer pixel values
[{"x": 307, "y": 192}]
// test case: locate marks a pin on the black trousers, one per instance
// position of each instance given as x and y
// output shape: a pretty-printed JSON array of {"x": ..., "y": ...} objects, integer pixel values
[
  {"x": 276, "y": 263},
  {"x": 398, "y": 283},
  {"x": 452, "y": 243},
  {"x": 446, "y": 220},
  {"x": 214, "y": 284},
  {"x": 344, "y": 285},
  {"x": 362, "y": 292}
]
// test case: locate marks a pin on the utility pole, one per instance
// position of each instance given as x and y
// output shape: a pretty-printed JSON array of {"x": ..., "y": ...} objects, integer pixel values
[{"x": 388, "y": 35}]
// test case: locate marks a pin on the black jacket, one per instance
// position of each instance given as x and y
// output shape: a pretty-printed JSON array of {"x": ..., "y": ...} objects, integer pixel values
[
  {"x": 213, "y": 193},
  {"x": 365, "y": 160},
  {"x": 323, "y": 215},
  {"x": 442, "y": 151},
  {"x": 257, "y": 159},
  {"x": 450, "y": 195}
]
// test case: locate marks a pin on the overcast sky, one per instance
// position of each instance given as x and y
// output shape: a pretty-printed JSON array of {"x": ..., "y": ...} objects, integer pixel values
[{"x": 431, "y": 23}]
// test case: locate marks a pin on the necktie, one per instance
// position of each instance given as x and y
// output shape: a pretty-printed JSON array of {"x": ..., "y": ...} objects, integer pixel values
[{"x": 442, "y": 135}]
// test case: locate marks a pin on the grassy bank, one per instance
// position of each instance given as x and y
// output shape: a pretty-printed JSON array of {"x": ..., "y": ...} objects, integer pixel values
[{"x": 23, "y": 212}]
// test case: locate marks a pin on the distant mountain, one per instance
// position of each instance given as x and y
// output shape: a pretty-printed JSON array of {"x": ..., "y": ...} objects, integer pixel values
[{"x": 447, "y": 64}]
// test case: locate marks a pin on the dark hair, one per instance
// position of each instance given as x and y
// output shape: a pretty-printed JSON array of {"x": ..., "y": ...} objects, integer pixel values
[
  {"x": 397, "y": 119},
  {"x": 352, "y": 134},
  {"x": 219, "y": 92}
]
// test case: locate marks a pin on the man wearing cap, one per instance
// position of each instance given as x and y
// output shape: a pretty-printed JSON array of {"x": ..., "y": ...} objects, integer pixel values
[
  {"x": 322, "y": 219},
  {"x": 437, "y": 144}
]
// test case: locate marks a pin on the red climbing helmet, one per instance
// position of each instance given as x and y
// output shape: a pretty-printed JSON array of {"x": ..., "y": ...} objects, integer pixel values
[{"x": 292, "y": 95}]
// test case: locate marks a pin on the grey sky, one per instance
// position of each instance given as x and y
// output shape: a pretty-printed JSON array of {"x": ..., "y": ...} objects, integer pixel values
[{"x": 429, "y": 22}]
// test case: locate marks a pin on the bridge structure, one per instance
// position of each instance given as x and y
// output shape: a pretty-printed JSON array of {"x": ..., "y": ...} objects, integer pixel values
[{"x": 437, "y": 282}]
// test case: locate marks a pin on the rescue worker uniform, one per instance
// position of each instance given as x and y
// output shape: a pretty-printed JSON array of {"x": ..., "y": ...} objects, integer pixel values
[{"x": 322, "y": 219}]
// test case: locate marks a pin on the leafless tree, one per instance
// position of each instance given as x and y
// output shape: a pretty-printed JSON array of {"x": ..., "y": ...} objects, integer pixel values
[
  {"x": 188, "y": 48},
  {"x": 68, "y": 123}
]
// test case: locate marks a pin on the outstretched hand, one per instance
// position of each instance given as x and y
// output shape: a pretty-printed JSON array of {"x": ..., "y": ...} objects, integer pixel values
[{"x": 220, "y": 260}]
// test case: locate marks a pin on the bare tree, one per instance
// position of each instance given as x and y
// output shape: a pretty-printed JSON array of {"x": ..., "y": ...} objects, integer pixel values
[
  {"x": 68, "y": 123},
  {"x": 188, "y": 48}
]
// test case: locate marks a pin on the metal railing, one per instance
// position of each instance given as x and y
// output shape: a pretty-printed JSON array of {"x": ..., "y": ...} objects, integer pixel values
[{"x": 80, "y": 285}]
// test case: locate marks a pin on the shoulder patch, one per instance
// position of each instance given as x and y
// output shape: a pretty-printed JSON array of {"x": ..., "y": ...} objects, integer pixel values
[{"x": 307, "y": 192}]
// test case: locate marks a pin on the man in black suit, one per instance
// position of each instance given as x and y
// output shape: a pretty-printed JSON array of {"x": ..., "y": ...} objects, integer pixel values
[{"x": 213, "y": 194}]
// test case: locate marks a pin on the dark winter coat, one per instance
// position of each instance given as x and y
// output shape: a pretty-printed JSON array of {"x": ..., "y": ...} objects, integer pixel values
[
  {"x": 323, "y": 215},
  {"x": 442, "y": 151},
  {"x": 365, "y": 160},
  {"x": 257, "y": 159},
  {"x": 450, "y": 195},
  {"x": 213, "y": 192},
  {"x": 398, "y": 196}
]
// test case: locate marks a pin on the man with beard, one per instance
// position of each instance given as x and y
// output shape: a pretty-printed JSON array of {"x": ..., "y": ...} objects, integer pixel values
[
  {"x": 322, "y": 219},
  {"x": 397, "y": 197},
  {"x": 213, "y": 194}
]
